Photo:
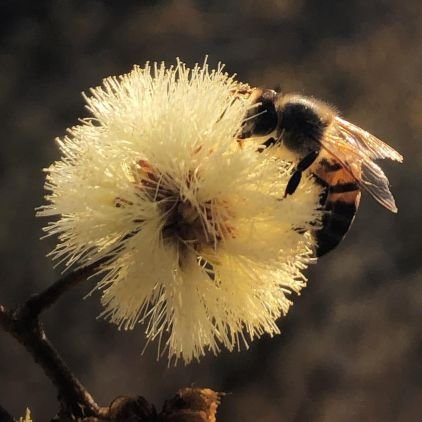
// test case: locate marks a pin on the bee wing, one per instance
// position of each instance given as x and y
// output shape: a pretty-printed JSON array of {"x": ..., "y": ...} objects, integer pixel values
[
  {"x": 375, "y": 182},
  {"x": 367, "y": 143},
  {"x": 358, "y": 163}
]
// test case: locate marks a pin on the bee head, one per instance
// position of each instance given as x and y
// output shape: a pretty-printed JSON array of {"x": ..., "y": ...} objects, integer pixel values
[{"x": 261, "y": 118}]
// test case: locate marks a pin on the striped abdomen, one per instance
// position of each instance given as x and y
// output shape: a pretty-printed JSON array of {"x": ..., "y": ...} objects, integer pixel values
[{"x": 340, "y": 202}]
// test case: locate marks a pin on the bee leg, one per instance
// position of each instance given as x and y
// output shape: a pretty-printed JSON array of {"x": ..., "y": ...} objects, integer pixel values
[
  {"x": 303, "y": 164},
  {"x": 293, "y": 183},
  {"x": 267, "y": 144}
]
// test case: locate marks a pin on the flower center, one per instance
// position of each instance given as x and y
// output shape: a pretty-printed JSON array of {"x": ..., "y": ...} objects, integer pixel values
[{"x": 194, "y": 227}]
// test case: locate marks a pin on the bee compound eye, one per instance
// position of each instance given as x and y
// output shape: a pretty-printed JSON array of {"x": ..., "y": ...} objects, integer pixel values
[{"x": 261, "y": 120}]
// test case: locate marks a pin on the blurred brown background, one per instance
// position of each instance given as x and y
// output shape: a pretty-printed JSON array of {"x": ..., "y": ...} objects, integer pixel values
[{"x": 351, "y": 346}]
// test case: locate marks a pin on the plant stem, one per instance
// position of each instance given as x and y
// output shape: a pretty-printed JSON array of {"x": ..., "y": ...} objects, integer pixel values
[
  {"x": 39, "y": 302},
  {"x": 24, "y": 325},
  {"x": 5, "y": 416}
]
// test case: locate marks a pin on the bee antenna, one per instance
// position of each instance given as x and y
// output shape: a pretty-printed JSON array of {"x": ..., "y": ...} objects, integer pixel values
[{"x": 255, "y": 115}]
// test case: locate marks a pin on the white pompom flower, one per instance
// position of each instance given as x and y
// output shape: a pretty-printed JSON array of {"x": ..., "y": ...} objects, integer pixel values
[{"x": 202, "y": 249}]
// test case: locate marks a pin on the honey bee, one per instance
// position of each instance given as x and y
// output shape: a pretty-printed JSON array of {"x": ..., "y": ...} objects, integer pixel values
[{"x": 339, "y": 155}]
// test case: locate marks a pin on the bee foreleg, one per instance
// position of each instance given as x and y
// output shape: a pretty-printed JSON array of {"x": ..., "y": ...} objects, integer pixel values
[
  {"x": 267, "y": 144},
  {"x": 303, "y": 164}
]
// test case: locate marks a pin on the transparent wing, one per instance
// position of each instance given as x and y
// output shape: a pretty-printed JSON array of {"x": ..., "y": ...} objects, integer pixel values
[
  {"x": 357, "y": 161},
  {"x": 375, "y": 182},
  {"x": 367, "y": 143}
]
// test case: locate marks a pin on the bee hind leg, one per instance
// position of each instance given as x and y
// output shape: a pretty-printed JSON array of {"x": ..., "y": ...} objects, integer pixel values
[
  {"x": 296, "y": 177},
  {"x": 293, "y": 183}
]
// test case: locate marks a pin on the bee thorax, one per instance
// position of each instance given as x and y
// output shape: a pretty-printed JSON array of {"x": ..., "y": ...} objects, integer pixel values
[{"x": 302, "y": 128}]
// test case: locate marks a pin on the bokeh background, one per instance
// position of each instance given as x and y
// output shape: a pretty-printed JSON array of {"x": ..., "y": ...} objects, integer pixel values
[{"x": 351, "y": 348}]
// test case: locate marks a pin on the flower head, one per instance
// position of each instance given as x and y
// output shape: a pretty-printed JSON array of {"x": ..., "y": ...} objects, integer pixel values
[{"x": 202, "y": 249}]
